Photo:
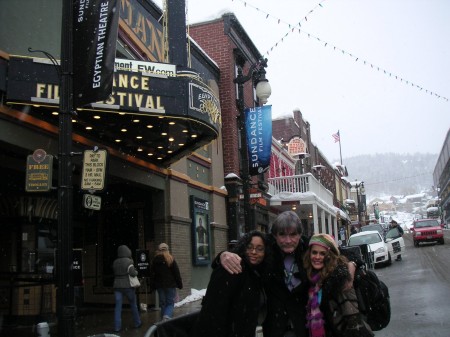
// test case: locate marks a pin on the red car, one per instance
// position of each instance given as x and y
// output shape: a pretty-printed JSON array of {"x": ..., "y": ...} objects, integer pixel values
[{"x": 427, "y": 230}]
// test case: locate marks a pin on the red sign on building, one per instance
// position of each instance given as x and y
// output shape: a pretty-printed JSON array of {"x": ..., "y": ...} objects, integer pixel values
[{"x": 296, "y": 146}]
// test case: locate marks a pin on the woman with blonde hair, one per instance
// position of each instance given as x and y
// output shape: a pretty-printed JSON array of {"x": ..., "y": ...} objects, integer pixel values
[
  {"x": 165, "y": 278},
  {"x": 332, "y": 309}
]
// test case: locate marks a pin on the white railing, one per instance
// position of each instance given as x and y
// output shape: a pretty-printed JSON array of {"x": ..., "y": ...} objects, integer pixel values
[{"x": 300, "y": 184}]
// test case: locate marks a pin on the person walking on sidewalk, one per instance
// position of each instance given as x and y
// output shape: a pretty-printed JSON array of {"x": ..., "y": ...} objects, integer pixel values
[
  {"x": 234, "y": 304},
  {"x": 122, "y": 287},
  {"x": 165, "y": 278}
]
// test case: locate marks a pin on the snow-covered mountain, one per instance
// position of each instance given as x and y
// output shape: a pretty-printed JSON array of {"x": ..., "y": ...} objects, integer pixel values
[{"x": 393, "y": 174}]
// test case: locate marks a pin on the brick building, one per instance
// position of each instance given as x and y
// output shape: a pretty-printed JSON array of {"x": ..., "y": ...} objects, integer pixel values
[{"x": 227, "y": 43}]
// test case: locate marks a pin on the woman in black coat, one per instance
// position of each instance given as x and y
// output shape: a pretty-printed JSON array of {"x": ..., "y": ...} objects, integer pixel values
[{"x": 234, "y": 304}]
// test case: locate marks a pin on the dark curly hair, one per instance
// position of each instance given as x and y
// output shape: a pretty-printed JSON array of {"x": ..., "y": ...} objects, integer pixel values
[{"x": 241, "y": 247}]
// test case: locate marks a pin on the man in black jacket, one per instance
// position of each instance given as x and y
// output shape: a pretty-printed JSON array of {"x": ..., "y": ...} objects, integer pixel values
[
  {"x": 288, "y": 286},
  {"x": 394, "y": 224}
]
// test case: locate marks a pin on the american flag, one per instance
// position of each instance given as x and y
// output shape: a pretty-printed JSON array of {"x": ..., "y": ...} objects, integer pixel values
[{"x": 337, "y": 137}]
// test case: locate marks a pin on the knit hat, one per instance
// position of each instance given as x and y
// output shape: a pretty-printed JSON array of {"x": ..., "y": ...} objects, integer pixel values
[
  {"x": 163, "y": 246},
  {"x": 325, "y": 241}
]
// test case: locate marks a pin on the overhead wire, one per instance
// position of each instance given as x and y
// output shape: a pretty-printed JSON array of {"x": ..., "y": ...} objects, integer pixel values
[{"x": 293, "y": 28}]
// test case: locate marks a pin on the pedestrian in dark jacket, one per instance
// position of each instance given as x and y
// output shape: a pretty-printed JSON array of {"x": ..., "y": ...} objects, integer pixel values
[
  {"x": 165, "y": 278},
  {"x": 287, "y": 283},
  {"x": 332, "y": 308},
  {"x": 235, "y": 304},
  {"x": 123, "y": 267},
  {"x": 394, "y": 224}
]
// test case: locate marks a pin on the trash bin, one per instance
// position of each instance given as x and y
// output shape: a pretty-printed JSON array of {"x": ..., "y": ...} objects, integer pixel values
[{"x": 43, "y": 329}]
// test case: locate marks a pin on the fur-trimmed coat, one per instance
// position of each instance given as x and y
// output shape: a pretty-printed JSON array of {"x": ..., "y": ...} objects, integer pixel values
[{"x": 340, "y": 307}]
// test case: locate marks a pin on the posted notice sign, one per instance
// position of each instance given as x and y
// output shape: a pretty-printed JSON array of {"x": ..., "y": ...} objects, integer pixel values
[
  {"x": 92, "y": 202},
  {"x": 94, "y": 170}
]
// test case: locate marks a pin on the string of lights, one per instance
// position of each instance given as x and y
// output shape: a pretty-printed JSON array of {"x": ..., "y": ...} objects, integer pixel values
[{"x": 298, "y": 27}]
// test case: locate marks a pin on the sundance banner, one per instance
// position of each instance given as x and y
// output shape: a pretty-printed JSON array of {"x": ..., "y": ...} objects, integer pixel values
[
  {"x": 94, "y": 49},
  {"x": 258, "y": 122}
]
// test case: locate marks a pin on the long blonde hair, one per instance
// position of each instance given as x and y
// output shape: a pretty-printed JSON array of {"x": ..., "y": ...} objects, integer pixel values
[
  {"x": 166, "y": 254},
  {"x": 331, "y": 261}
]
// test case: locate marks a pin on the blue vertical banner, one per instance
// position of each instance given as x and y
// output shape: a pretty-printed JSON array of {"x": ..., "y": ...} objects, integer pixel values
[
  {"x": 258, "y": 125},
  {"x": 95, "y": 28}
]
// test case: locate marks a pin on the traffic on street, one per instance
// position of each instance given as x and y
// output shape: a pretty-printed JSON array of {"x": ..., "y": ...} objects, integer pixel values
[{"x": 419, "y": 288}]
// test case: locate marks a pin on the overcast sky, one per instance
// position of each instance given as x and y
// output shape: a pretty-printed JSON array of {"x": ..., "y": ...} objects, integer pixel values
[{"x": 340, "y": 69}]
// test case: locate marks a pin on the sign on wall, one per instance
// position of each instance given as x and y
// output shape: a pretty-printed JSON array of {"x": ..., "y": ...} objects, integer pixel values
[
  {"x": 143, "y": 262},
  {"x": 77, "y": 268},
  {"x": 201, "y": 248},
  {"x": 297, "y": 146}
]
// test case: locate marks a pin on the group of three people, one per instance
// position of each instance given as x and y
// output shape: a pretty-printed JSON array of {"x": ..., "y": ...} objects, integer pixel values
[{"x": 291, "y": 287}]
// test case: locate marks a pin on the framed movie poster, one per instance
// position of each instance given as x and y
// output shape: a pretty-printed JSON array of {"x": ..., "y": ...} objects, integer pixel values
[{"x": 201, "y": 252}]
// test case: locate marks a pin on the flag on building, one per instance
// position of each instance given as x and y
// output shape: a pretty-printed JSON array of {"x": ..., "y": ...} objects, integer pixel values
[{"x": 337, "y": 137}]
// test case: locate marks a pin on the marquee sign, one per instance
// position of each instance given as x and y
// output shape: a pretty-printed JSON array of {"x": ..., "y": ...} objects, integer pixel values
[{"x": 153, "y": 91}]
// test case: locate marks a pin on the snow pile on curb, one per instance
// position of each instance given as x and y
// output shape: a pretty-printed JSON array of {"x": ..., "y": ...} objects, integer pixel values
[{"x": 194, "y": 296}]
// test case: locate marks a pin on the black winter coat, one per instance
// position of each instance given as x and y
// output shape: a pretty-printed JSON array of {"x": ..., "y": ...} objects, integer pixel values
[
  {"x": 232, "y": 303},
  {"x": 164, "y": 276},
  {"x": 283, "y": 306}
]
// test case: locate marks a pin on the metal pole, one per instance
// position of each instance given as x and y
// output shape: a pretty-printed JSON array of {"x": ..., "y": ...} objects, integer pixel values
[
  {"x": 65, "y": 291},
  {"x": 358, "y": 209}
]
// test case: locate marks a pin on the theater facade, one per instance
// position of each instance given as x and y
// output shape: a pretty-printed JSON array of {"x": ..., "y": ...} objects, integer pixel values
[{"x": 146, "y": 163}]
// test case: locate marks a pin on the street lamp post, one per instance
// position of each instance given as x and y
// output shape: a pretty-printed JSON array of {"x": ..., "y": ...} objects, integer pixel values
[
  {"x": 257, "y": 73},
  {"x": 361, "y": 198}
]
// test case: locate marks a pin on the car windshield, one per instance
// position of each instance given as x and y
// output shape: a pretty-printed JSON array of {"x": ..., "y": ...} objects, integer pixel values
[
  {"x": 427, "y": 223},
  {"x": 364, "y": 239},
  {"x": 378, "y": 228},
  {"x": 393, "y": 233}
]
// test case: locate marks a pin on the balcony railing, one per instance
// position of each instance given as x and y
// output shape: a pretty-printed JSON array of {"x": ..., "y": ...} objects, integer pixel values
[{"x": 300, "y": 184}]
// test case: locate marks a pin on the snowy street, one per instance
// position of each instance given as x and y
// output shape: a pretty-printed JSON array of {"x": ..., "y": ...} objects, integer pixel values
[{"x": 419, "y": 287}]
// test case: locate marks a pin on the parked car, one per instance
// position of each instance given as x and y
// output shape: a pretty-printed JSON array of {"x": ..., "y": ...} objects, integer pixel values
[
  {"x": 378, "y": 251},
  {"x": 374, "y": 227},
  {"x": 427, "y": 230}
]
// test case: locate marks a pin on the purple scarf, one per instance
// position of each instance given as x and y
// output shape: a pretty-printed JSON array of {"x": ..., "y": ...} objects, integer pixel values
[{"x": 314, "y": 315}]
